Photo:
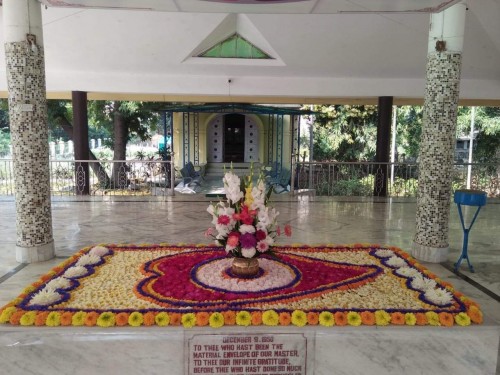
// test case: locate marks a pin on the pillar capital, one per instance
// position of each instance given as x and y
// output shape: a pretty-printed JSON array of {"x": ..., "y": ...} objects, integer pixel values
[
  {"x": 447, "y": 26},
  {"x": 22, "y": 17}
]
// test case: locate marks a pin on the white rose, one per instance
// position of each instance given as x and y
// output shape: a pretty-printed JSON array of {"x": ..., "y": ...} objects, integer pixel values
[
  {"x": 248, "y": 252},
  {"x": 244, "y": 228}
]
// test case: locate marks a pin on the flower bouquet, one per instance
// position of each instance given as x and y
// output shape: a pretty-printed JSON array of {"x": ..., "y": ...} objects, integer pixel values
[{"x": 245, "y": 225}]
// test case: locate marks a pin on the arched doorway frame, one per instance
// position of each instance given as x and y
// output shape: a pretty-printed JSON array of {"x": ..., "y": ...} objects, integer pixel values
[{"x": 256, "y": 120}]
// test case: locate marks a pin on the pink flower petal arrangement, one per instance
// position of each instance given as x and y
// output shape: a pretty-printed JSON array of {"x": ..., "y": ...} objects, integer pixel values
[{"x": 245, "y": 225}]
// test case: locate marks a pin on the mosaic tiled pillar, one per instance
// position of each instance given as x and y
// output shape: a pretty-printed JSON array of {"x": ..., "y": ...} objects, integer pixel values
[
  {"x": 29, "y": 130},
  {"x": 438, "y": 137}
]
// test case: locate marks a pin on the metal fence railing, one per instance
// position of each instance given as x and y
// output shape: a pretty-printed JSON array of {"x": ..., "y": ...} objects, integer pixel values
[
  {"x": 104, "y": 177},
  {"x": 363, "y": 178},
  {"x": 147, "y": 178}
]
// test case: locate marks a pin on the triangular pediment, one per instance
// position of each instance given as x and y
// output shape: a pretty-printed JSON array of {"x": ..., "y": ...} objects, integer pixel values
[
  {"x": 235, "y": 47},
  {"x": 235, "y": 40}
]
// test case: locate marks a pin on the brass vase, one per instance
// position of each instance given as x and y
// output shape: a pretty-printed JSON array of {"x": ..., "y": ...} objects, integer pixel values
[{"x": 245, "y": 267}]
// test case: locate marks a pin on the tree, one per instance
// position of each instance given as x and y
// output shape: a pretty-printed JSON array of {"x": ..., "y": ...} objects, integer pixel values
[
  {"x": 487, "y": 125},
  {"x": 345, "y": 132},
  {"x": 59, "y": 112},
  {"x": 124, "y": 119},
  {"x": 4, "y": 128},
  {"x": 408, "y": 131}
]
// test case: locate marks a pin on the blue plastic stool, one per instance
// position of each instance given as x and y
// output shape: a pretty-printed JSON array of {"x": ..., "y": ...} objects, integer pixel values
[{"x": 468, "y": 198}]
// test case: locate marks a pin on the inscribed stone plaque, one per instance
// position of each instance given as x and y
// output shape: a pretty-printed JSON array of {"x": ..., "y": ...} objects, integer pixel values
[{"x": 257, "y": 353}]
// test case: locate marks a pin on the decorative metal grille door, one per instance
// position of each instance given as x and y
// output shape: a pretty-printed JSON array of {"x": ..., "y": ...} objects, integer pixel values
[
  {"x": 251, "y": 140},
  {"x": 215, "y": 141}
]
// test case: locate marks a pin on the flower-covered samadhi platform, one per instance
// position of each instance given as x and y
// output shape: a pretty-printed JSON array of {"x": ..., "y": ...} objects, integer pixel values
[{"x": 168, "y": 285}]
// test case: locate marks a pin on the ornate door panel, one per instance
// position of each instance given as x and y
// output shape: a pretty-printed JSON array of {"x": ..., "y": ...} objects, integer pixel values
[
  {"x": 251, "y": 140},
  {"x": 215, "y": 141}
]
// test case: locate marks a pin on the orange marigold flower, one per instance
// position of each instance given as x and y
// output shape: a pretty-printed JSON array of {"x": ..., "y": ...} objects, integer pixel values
[
  {"x": 229, "y": 318},
  {"x": 66, "y": 318},
  {"x": 312, "y": 318},
  {"x": 202, "y": 318},
  {"x": 16, "y": 317},
  {"x": 367, "y": 318},
  {"x": 397, "y": 318},
  {"x": 41, "y": 318},
  {"x": 421, "y": 319},
  {"x": 91, "y": 319},
  {"x": 121, "y": 319},
  {"x": 175, "y": 319},
  {"x": 256, "y": 318},
  {"x": 340, "y": 318},
  {"x": 149, "y": 318},
  {"x": 285, "y": 318},
  {"x": 45, "y": 278},
  {"x": 446, "y": 319},
  {"x": 476, "y": 316}
]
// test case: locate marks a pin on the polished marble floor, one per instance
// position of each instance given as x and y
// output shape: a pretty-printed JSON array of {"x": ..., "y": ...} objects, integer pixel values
[{"x": 314, "y": 220}]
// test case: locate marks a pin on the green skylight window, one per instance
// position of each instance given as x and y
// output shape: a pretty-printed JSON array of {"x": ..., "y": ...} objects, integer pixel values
[{"x": 235, "y": 47}]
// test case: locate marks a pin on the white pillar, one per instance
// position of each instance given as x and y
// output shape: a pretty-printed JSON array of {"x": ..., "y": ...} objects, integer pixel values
[
  {"x": 24, "y": 56},
  {"x": 52, "y": 147},
  {"x": 471, "y": 145},
  {"x": 393, "y": 141}
]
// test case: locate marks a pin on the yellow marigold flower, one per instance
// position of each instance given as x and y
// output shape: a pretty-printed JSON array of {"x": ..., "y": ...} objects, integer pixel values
[
  {"x": 382, "y": 318},
  {"x": 162, "y": 319},
  {"x": 353, "y": 318},
  {"x": 326, "y": 319},
  {"x": 28, "y": 319},
  {"x": 433, "y": 318},
  {"x": 188, "y": 320},
  {"x": 6, "y": 314},
  {"x": 462, "y": 319},
  {"x": 135, "y": 319},
  {"x": 270, "y": 318},
  {"x": 216, "y": 320},
  {"x": 78, "y": 318},
  {"x": 53, "y": 319},
  {"x": 106, "y": 319},
  {"x": 243, "y": 318},
  {"x": 299, "y": 318},
  {"x": 410, "y": 319},
  {"x": 28, "y": 289}
]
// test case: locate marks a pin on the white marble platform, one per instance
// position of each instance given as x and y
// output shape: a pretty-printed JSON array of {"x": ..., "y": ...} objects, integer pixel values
[
  {"x": 338, "y": 350},
  {"x": 388, "y": 350}
]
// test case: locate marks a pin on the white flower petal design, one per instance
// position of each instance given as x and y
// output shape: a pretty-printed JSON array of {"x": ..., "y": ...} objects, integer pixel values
[
  {"x": 407, "y": 272},
  {"x": 58, "y": 283},
  {"x": 423, "y": 283},
  {"x": 88, "y": 259},
  {"x": 75, "y": 271},
  {"x": 396, "y": 261},
  {"x": 384, "y": 253},
  {"x": 45, "y": 297},
  {"x": 439, "y": 296},
  {"x": 99, "y": 251}
]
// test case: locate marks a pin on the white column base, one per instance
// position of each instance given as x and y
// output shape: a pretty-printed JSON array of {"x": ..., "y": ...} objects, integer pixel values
[
  {"x": 36, "y": 253},
  {"x": 430, "y": 254}
]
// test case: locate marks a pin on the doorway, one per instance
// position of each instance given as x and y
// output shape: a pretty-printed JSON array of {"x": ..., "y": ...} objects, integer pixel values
[{"x": 234, "y": 138}]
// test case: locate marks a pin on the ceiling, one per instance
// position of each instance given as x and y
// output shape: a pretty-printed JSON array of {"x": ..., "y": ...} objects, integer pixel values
[
  {"x": 323, "y": 50},
  {"x": 260, "y": 6}
]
